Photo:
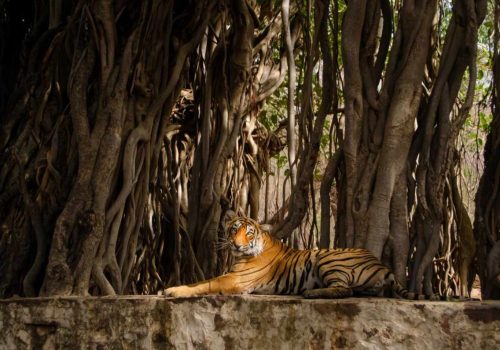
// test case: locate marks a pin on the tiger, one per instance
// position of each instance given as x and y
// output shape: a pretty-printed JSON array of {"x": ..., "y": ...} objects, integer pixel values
[{"x": 266, "y": 265}]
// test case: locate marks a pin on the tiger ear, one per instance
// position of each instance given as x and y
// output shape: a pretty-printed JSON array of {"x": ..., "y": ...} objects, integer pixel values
[
  {"x": 228, "y": 216},
  {"x": 266, "y": 227}
]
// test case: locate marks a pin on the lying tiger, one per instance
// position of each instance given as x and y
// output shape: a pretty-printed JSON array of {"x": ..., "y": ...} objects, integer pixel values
[{"x": 265, "y": 265}]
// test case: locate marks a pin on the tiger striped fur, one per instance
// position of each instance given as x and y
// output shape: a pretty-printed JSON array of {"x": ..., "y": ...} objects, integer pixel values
[{"x": 265, "y": 265}]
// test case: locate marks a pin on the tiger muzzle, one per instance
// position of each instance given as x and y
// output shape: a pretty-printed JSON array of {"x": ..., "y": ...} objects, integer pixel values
[{"x": 237, "y": 247}]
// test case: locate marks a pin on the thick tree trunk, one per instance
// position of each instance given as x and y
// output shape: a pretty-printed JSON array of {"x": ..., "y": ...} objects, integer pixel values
[
  {"x": 399, "y": 126},
  {"x": 487, "y": 218},
  {"x": 351, "y": 41}
]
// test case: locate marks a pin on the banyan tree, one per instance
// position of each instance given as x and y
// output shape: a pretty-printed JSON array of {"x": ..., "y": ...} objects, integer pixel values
[{"x": 129, "y": 128}]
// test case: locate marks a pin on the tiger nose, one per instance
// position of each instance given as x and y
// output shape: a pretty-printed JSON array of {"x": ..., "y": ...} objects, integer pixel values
[{"x": 237, "y": 246}]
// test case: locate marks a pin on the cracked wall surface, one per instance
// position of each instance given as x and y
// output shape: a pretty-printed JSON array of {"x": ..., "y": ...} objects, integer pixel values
[{"x": 246, "y": 322}]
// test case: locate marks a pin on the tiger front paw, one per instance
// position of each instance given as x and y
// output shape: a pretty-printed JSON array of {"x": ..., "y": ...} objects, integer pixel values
[{"x": 178, "y": 292}]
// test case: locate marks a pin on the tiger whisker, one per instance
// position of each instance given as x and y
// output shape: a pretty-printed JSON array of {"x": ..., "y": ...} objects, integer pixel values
[{"x": 223, "y": 245}]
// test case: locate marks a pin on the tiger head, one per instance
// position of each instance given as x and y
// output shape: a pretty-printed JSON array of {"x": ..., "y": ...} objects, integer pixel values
[{"x": 245, "y": 236}]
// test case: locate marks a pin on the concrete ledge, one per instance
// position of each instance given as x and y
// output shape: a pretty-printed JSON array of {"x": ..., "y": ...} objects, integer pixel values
[{"x": 246, "y": 322}]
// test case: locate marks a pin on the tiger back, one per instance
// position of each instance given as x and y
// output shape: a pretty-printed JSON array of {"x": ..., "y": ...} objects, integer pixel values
[{"x": 265, "y": 265}]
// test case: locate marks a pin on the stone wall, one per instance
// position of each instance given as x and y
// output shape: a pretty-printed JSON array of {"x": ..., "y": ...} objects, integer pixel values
[{"x": 246, "y": 322}]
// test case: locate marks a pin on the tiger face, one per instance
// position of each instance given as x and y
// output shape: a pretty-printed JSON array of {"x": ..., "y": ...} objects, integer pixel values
[{"x": 245, "y": 237}]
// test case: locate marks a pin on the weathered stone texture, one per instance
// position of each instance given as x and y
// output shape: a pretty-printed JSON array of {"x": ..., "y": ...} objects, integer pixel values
[{"x": 246, "y": 322}]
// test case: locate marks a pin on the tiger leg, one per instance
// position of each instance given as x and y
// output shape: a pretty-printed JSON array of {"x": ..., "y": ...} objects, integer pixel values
[
  {"x": 226, "y": 284},
  {"x": 332, "y": 292}
]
